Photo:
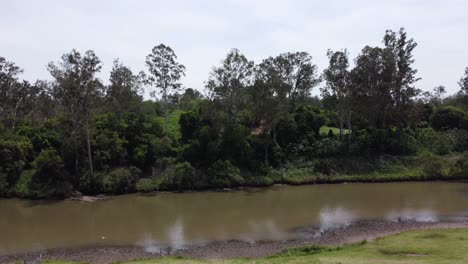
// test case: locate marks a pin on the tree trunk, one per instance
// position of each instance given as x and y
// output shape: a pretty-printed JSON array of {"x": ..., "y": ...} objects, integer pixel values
[
  {"x": 16, "y": 112},
  {"x": 349, "y": 126},
  {"x": 166, "y": 122},
  {"x": 341, "y": 124},
  {"x": 88, "y": 143}
]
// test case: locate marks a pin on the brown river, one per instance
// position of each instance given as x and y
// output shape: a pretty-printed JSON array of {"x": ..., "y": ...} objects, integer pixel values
[{"x": 177, "y": 220}]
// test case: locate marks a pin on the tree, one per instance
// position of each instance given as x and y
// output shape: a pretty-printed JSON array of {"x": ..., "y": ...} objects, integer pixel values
[
  {"x": 404, "y": 75},
  {"x": 77, "y": 88},
  {"x": 296, "y": 72},
  {"x": 165, "y": 74},
  {"x": 123, "y": 93},
  {"x": 464, "y": 82},
  {"x": 338, "y": 86},
  {"x": 229, "y": 81},
  {"x": 463, "y": 94},
  {"x": 371, "y": 79},
  {"x": 439, "y": 92},
  {"x": 13, "y": 92}
]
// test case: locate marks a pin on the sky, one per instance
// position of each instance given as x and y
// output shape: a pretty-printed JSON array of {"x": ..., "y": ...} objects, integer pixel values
[{"x": 34, "y": 33}]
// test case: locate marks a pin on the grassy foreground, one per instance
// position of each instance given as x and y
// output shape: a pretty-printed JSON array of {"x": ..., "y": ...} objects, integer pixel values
[{"x": 423, "y": 246}]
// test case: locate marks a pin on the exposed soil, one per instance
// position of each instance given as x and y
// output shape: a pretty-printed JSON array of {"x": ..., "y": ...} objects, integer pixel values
[{"x": 356, "y": 232}]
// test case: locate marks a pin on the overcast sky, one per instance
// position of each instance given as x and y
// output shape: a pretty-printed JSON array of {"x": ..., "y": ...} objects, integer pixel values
[{"x": 33, "y": 33}]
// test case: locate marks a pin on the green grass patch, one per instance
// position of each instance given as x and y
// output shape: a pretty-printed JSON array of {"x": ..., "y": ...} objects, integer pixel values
[
  {"x": 173, "y": 124},
  {"x": 336, "y": 131}
]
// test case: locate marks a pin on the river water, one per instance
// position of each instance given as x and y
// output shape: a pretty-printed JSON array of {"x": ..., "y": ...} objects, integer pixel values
[{"x": 179, "y": 219}]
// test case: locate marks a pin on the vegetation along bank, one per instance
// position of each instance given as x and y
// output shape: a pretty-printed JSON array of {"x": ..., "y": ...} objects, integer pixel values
[{"x": 256, "y": 124}]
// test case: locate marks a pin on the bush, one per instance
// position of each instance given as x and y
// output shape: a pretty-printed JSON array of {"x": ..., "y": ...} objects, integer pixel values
[
  {"x": 222, "y": 174},
  {"x": 449, "y": 118},
  {"x": 120, "y": 180},
  {"x": 439, "y": 143},
  {"x": 50, "y": 178},
  {"x": 14, "y": 156},
  {"x": 433, "y": 168},
  {"x": 180, "y": 177},
  {"x": 148, "y": 185}
]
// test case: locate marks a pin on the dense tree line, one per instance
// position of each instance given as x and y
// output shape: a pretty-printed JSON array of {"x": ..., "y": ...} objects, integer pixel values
[{"x": 75, "y": 134}]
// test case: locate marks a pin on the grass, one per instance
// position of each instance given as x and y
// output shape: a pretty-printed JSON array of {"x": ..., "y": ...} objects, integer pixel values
[
  {"x": 385, "y": 169},
  {"x": 423, "y": 246},
  {"x": 336, "y": 131},
  {"x": 173, "y": 124}
]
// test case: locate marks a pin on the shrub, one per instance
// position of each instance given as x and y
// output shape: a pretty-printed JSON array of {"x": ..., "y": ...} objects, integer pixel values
[
  {"x": 148, "y": 185},
  {"x": 180, "y": 177},
  {"x": 50, "y": 178},
  {"x": 120, "y": 180},
  {"x": 223, "y": 174},
  {"x": 448, "y": 118},
  {"x": 433, "y": 168},
  {"x": 14, "y": 156}
]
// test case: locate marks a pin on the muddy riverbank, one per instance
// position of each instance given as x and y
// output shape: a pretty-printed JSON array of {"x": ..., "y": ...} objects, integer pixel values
[{"x": 355, "y": 232}]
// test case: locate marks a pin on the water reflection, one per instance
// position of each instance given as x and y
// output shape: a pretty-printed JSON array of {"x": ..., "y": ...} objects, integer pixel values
[
  {"x": 334, "y": 218},
  {"x": 150, "y": 245},
  {"x": 176, "y": 235},
  {"x": 407, "y": 214}
]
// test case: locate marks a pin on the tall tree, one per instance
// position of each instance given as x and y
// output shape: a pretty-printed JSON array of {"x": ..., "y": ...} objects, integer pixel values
[
  {"x": 297, "y": 74},
  {"x": 404, "y": 75},
  {"x": 229, "y": 81},
  {"x": 371, "y": 79},
  {"x": 439, "y": 93},
  {"x": 123, "y": 93},
  {"x": 165, "y": 74},
  {"x": 338, "y": 86},
  {"x": 464, "y": 89},
  {"x": 464, "y": 82},
  {"x": 77, "y": 88},
  {"x": 13, "y": 92}
]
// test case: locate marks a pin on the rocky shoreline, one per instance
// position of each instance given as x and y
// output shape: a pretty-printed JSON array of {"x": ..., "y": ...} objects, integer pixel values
[{"x": 355, "y": 232}]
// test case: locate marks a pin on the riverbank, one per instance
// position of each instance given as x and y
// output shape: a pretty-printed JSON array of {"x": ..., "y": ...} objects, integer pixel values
[{"x": 364, "y": 230}]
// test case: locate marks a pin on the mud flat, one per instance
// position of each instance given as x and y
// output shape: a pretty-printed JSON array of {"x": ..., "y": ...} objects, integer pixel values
[{"x": 355, "y": 232}]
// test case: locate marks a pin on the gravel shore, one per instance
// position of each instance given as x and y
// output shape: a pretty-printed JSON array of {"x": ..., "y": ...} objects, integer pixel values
[{"x": 355, "y": 232}]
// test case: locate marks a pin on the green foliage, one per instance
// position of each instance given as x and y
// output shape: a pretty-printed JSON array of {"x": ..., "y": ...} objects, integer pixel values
[
  {"x": 434, "y": 168},
  {"x": 120, "y": 180},
  {"x": 148, "y": 185},
  {"x": 173, "y": 124},
  {"x": 181, "y": 177},
  {"x": 449, "y": 118},
  {"x": 189, "y": 124},
  {"x": 50, "y": 176},
  {"x": 259, "y": 119},
  {"x": 14, "y": 155},
  {"x": 222, "y": 174}
]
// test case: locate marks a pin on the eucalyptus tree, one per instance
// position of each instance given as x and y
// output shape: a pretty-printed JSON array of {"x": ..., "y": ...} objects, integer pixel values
[
  {"x": 404, "y": 75},
  {"x": 338, "y": 86},
  {"x": 165, "y": 73},
  {"x": 13, "y": 92},
  {"x": 76, "y": 89},
  {"x": 229, "y": 81}
]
